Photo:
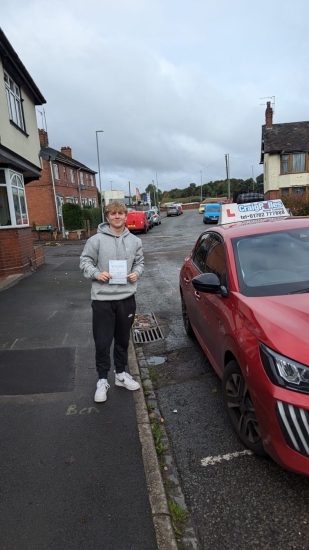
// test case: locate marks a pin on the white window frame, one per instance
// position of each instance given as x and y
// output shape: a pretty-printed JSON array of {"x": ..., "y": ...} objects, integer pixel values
[
  {"x": 75, "y": 200},
  {"x": 69, "y": 199},
  {"x": 91, "y": 179},
  {"x": 16, "y": 199},
  {"x": 81, "y": 175},
  {"x": 56, "y": 171},
  {"x": 94, "y": 202},
  {"x": 72, "y": 176},
  {"x": 14, "y": 101},
  {"x": 59, "y": 199},
  {"x": 65, "y": 176}
]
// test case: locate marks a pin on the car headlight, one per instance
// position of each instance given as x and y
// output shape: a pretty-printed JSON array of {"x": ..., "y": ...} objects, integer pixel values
[{"x": 283, "y": 371}]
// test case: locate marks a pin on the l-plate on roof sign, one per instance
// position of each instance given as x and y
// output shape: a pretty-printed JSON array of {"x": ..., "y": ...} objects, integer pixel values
[{"x": 232, "y": 213}]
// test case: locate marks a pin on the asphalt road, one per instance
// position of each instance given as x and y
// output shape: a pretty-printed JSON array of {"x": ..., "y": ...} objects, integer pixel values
[{"x": 246, "y": 502}]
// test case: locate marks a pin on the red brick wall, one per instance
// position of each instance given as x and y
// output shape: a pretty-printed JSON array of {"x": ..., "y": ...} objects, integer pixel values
[
  {"x": 39, "y": 255},
  {"x": 271, "y": 195},
  {"x": 16, "y": 251},
  {"x": 40, "y": 199},
  {"x": 40, "y": 194}
]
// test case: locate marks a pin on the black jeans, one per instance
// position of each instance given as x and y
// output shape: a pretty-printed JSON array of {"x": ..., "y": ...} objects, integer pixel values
[{"x": 112, "y": 320}]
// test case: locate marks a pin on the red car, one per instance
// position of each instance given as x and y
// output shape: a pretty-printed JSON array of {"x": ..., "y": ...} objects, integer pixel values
[{"x": 245, "y": 296}]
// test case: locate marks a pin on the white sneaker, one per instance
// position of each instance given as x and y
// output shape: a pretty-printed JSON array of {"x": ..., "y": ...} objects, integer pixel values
[
  {"x": 124, "y": 380},
  {"x": 101, "y": 393}
]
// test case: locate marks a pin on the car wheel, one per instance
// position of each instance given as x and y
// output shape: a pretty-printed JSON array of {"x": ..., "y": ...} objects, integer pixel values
[
  {"x": 240, "y": 408},
  {"x": 145, "y": 229},
  {"x": 186, "y": 320}
]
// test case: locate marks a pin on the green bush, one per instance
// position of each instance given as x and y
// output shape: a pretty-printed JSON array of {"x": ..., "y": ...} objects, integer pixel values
[
  {"x": 94, "y": 216},
  {"x": 72, "y": 216}
]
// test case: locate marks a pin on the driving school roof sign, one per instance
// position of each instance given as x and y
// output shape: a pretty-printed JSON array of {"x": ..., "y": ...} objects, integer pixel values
[{"x": 231, "y": 213}]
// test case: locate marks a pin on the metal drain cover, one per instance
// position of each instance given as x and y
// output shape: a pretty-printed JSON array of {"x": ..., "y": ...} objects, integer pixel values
[{"x": 145, "y": 329}]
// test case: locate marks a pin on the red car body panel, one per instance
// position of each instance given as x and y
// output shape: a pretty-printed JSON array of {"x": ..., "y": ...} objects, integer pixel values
[
  {"x": 233, "y": 327},
  {"x": 137, "y": 221}
]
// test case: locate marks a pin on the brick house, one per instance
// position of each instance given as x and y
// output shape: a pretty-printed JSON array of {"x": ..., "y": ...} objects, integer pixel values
[
  {"x": 63, "y": 179},
  {"x": 19, "y": 161},
  {"x": 285, "y": 156}
]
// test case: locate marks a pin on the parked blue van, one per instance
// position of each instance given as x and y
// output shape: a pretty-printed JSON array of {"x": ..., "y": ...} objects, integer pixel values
[{"x": 211, "y": 213}]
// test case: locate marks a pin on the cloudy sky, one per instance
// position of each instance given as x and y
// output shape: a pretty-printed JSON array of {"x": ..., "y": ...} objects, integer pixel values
[{"x": 174, "y": 84}]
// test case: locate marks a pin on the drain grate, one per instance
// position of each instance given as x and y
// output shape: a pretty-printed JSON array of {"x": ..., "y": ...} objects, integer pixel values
[{"x": 145, "y": 329}]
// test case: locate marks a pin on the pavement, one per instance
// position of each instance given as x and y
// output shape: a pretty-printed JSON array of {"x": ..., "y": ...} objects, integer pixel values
[{"x": 75, "y": 474}]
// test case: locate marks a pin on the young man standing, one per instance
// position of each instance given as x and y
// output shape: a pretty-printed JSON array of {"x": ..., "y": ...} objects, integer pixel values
[{"x": 113, "y": 260}]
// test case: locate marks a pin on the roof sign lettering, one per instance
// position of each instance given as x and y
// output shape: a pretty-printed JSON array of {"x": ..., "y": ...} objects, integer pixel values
[{"x": 232, "y": 213}]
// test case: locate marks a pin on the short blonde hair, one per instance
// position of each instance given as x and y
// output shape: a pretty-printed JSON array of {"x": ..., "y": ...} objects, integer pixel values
[{"x": 116, "y": 206}]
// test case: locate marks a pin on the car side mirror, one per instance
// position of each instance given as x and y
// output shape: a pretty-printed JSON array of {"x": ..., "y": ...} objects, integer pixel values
[{"x": 209, "y": 282}]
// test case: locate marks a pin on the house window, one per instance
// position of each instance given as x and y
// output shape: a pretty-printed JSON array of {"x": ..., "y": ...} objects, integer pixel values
[
  {"x": 72, "y": 175},
  {"x": 91, "y": 179},
  {"x": 69, "y": 199},
  {"x": 298, "y": 162},
  {"x": 14, "y": 101},
  {"x": 285, "y": 190},
  {"x": 13, "y": 208},
  {"x": 81, "y": 175},
  {"x": 75, "y": 200},
  {"x": 56, "y": 171},
  {"x": 285, "y": 164},
  {"x": 94, "y": 202},
  {"x": 59, "y": 205},
  {"x": 298, "y": 191},
  {"x": 65, "y": 173},
  {"x": 294, "y": 162}
]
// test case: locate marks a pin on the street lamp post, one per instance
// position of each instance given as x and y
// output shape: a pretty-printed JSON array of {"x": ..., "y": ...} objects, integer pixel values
[{"x": 102, "y": 211}]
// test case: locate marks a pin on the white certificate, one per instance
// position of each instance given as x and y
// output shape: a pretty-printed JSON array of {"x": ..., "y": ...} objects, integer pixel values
[{"x": 118, "y": 270}]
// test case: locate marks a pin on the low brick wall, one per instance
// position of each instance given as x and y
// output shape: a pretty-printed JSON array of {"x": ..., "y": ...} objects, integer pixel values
[
  {"x": 16, "y": 251},
  {"x": 39, "y": 255}
]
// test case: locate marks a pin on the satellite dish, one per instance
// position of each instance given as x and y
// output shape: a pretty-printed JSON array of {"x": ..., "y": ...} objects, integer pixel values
[{"x": 48, "y": 153}]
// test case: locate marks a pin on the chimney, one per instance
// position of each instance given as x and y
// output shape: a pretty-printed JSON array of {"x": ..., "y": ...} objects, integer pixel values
[
  {"x": 43, "y": 137},
  {"x": 269, "y": 115},
  {"x": 67, "y": 151}
]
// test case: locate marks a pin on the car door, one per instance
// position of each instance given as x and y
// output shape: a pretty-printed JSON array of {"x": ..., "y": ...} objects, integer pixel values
[
  {"x": 194, "y": 266},
  {"x": 214, "y": 308}
]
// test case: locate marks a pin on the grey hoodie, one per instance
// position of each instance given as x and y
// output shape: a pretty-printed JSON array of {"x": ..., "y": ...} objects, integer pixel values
[{"x": 105, "y": 246}]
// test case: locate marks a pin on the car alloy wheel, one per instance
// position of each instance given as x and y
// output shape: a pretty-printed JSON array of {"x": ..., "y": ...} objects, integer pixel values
[
  {"x": 240, "y": 408},
  {"x": 186, "y": 320}
]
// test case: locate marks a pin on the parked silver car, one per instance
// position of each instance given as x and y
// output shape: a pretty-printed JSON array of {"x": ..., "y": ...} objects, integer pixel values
[{"x": 155, "y": 217}]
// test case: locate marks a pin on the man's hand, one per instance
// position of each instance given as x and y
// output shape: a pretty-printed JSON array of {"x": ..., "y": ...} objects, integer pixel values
[
  {"x": 132, "y": 277},
  {"x": 104, "y": 276}
]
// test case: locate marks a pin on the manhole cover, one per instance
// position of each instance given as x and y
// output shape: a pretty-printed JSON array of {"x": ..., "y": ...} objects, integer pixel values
[{"x": 145, "y": 329}]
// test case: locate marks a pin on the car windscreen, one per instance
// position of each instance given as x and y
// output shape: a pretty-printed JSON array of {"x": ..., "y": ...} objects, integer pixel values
[
  {"x": 273, "y": 264},
  {"x": 214, "y": 208}
]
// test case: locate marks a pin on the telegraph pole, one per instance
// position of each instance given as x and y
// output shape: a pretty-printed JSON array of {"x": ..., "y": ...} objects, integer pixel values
[
  {"x": 157, "y": 191},
  {"x": 129, "y": 193},
  {"x": 228, "y": 176},
  {"x": 201, "y": 171}
]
